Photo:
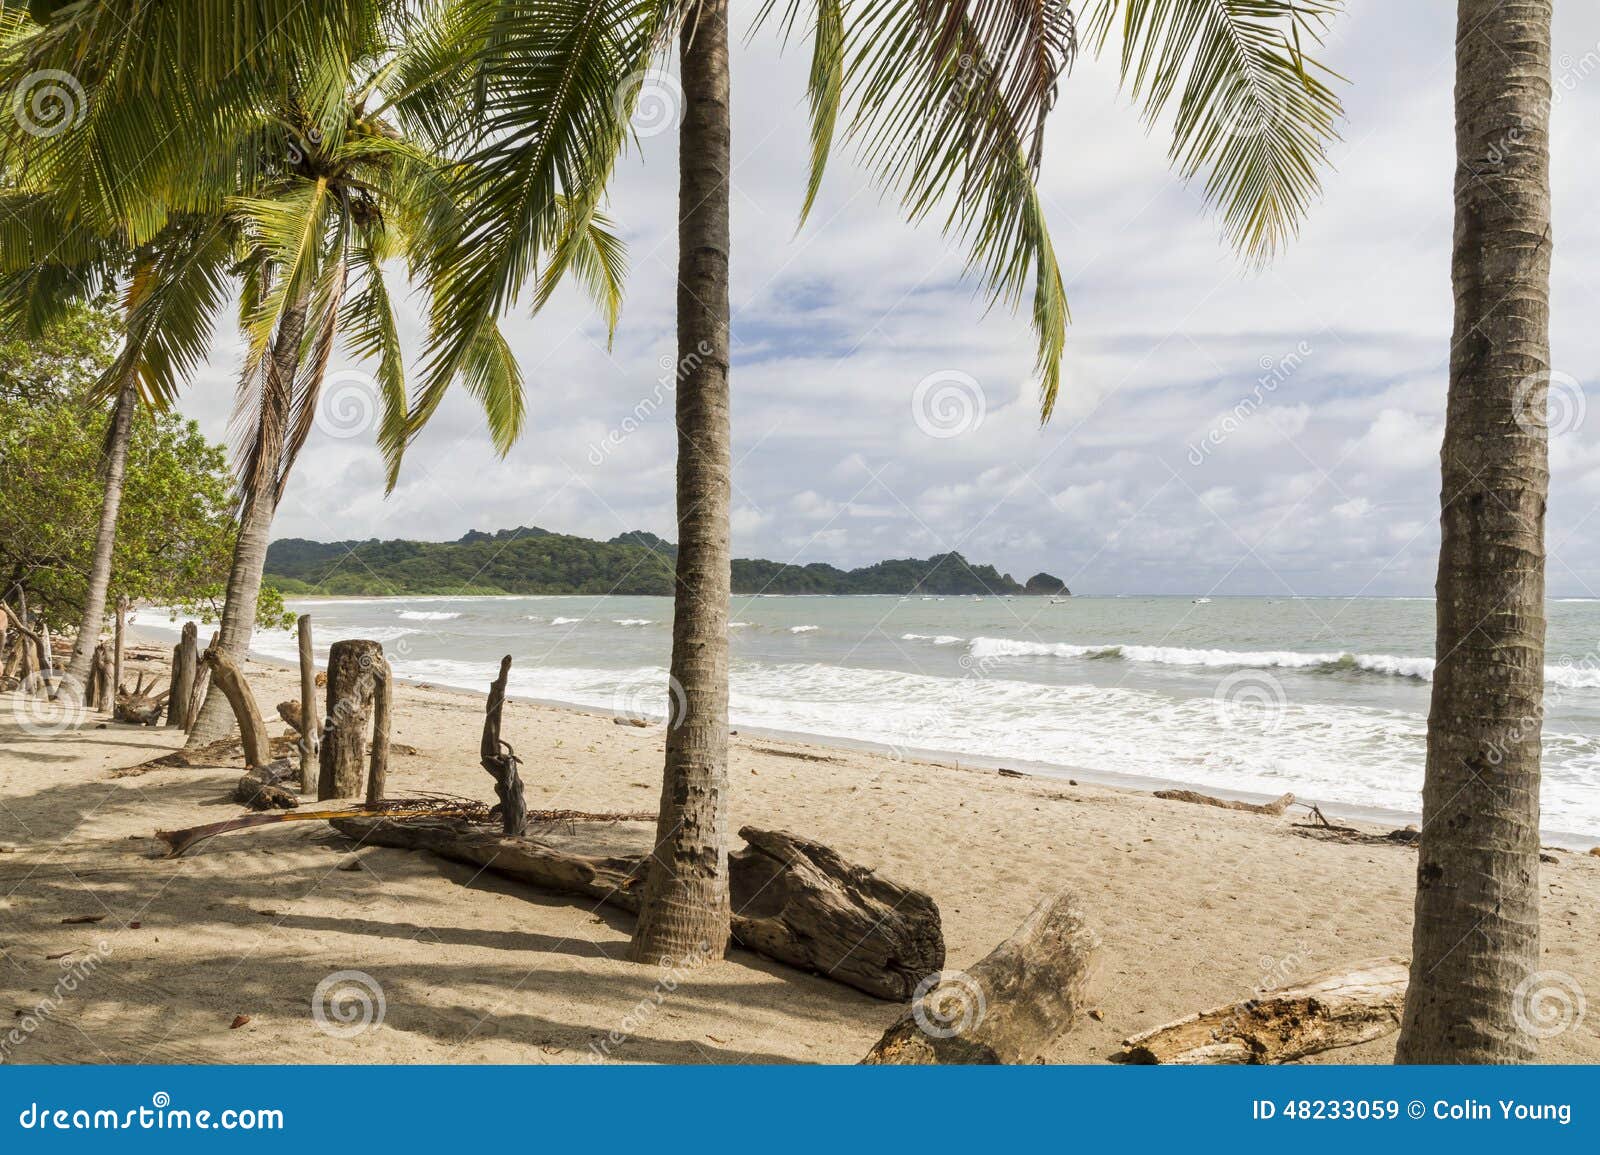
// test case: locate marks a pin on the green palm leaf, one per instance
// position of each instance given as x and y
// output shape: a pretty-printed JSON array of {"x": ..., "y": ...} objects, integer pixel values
[{"x": 1253, "y": 113}]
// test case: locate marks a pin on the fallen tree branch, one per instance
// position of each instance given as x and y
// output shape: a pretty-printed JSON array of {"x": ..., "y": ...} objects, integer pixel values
[
  {"x": 178, "y": 841},
  {"x": 1334, "y": 1009}
]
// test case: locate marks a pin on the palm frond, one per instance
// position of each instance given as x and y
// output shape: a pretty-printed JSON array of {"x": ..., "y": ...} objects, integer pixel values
[
  {"x": 180, "y": 282},
  {"x": 1254, "y": 113},
  {"x": 552, "y": 86},
  {"x": 589, "y": 249},
  {"x": 946, "y": 104}
]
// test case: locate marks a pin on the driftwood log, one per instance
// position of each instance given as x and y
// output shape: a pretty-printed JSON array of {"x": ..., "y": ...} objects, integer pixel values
[
  {"x": 803, "y": 904},
  {"x": 228, "y": 678},
  {"x": 1335, "y": 1009},
  {"x": 500, "y": 760},
  {"x": 311, "y": 730},
  {"x": 1275, "y": 807},
  {"x": 798, "y": 901},
  {"x": 138, "y": 706},
  {"x": 185, "y": 659},
  {"x": 1011, "y": 1006},
  {"x": 351, "y": 682},
  {"x": 269, "y": 787}
]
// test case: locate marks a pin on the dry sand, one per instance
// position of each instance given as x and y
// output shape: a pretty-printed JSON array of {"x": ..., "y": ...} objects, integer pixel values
[{"x": 1195, "y": 906}]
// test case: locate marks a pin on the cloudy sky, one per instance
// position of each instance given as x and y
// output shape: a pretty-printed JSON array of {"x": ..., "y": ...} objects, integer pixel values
[{"x": 847, "y": 332}]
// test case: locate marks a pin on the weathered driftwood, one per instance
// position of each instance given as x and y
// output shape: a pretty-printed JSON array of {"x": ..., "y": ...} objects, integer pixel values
[
  {"x": 101, "y": 683},
  {"x": 500, "y": 760},
  {"x": 138, "y": 706},
  {"x": 1011, "y": 1006},
  {"x": 178, "y": 841},
  {"x": 228, "y": 678},
  {"x": 185, "y": 658},
  {"x": 268, "y": 787},
  {"x": 311, "y": 729},
  {"x": 1275, "y": 807},
  {"x": 798, "y": 901},
  {"x": 351, "y": 682},
  {"x": 382, "y": 707},
  {"x": 802, "y": 904},
  {"x": 1335, "y": 1009}
]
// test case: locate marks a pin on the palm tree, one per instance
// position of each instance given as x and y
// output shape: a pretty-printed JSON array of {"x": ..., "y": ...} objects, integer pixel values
[
  {"x": 347, "y": 195},
  {"x": 1475, "y": 940},
  {"x": 354, "y": 194}
]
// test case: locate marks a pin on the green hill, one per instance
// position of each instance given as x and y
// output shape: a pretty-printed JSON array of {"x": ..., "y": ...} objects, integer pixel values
[{"x": 528, "y": 560}]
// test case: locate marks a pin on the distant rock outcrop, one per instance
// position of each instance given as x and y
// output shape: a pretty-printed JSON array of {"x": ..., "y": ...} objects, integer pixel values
[{"x": 1043, "y": 583}]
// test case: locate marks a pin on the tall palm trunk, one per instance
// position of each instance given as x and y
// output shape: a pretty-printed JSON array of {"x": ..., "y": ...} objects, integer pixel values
[
  {"x": 215, "y": 717},
  {"x": 1475, "y": 942},
  {"x": 684, "y": 915},
  {"x": 105, "y": 540}
]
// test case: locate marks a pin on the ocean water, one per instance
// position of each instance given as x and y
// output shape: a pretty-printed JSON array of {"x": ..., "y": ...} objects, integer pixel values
[{"x": 1327, "y": 697}]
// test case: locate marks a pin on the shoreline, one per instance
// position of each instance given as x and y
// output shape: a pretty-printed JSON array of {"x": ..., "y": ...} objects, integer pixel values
[{"x": 1374, "y": 816}]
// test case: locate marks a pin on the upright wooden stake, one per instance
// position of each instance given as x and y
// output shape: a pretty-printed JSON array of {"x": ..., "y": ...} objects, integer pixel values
[
  {"x": 382, "y": 700},
  {"x": 351, "y": 678},
  {"x": 185, "y": 658},
  {"x": 116, "y": 659},
  {"x": 310, "y": 723}
]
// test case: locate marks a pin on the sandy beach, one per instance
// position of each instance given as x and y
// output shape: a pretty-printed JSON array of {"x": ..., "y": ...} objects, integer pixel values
[{"x": 1195, "y": 906}]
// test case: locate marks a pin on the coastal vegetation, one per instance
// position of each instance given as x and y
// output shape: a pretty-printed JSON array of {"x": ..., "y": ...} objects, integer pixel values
[
  {"x": 176, "y": 507},
  {"x": 529, "y": 560}
]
